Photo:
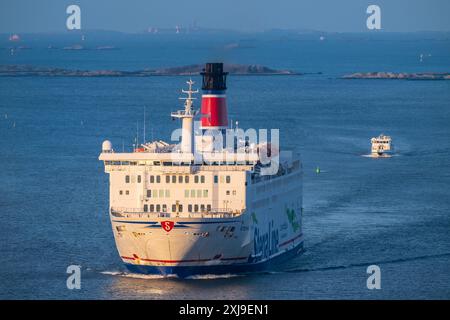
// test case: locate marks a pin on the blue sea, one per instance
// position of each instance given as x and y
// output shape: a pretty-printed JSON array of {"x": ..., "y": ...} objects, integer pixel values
[{"x": 359, "y": 211}]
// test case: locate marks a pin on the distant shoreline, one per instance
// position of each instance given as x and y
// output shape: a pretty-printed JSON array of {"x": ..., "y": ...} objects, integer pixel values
[
  {"x": 191, "y": 70},
  {"x": 399, "y": 76}
]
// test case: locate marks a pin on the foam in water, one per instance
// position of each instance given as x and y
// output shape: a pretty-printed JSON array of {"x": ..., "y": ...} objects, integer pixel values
[
  {"x": 213, "y": 276},
  {"x": 170, "y": 276},
  {"x": 138, "y": 276}
]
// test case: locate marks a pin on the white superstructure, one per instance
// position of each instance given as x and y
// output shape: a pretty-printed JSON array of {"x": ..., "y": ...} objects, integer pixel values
[
  {"x": 381, "y": 145},
  {"x": 172, "y": 213}
]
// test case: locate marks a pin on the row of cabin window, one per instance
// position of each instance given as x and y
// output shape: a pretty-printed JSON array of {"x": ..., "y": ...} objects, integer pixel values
[
  {"x": 197, "y": 179},
  {"x": 127, "y": 192},
  {"x": 161, "y": 193},
  {"x": 192, "y": 193},
  {"x": 190, "y": 207},
  {"x": 187, "y": 193},
  {"x": 127, "y": 179},
  {"x": 180, "y": 179},
  {"x": 223, "y": 179}
]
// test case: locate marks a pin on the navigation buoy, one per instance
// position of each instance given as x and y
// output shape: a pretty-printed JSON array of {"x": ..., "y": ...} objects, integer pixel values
[{"x": 317, "y": 170}]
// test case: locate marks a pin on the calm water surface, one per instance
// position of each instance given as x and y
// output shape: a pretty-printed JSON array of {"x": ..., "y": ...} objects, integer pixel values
[{"x": 359, "y": 211}]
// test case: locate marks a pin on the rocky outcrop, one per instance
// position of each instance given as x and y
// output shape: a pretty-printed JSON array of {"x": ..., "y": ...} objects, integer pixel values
[
  {"x": 400, "y": 76},
  {"x": 23, "y": 71}
]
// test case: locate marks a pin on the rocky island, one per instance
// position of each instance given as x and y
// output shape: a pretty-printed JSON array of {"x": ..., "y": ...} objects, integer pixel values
[
  {"x": 236, "y": 69},
  {"x": 399, "y": 76}
]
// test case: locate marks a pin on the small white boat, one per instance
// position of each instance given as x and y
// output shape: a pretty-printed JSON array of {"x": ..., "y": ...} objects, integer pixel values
[{"x": 381, "y": 146}]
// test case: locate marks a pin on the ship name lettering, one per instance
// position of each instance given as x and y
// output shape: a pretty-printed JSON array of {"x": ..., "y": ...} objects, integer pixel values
[{"x": 266, "y": 244}]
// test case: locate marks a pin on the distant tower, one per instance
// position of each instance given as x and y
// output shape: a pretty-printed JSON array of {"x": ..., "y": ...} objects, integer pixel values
[
  {"x": 187, "y": 115},
  {"x": 214, "y": 104}
]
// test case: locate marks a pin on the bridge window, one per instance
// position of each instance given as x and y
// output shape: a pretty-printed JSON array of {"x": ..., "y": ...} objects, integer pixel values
[
  {"x": 158, "y": 179},
  {"x": 174, "y": 179},
  {"x": 205, "y": 193},
  {"x": 152, "y": 208},
  {"x": 152, "y": 179},
  {"x": 167, "y": 179},
  {"x": 228, "y": 179},
  {"x": 174, "y": 207},
  {"x": 186, "y": 179},
  {"x": 127, "y": 179},
  {"x": 196, "y": 179},
  {"x": 202, "y": 179},
  {"x": 120, "y": 192},
  {"x": 164, "y": 208},
  {"x": 145, "y": 208},
  {"x": 196, "y": 208},
  {"x": 127, "y": 192},
  {"x": 216, "y": 179},
  {"x": 192, "y": 193},
  {"x": 186, "y": 193},
  {"x": 180, "y": 207},
  {"x": 228, "y": 192},
  {"x": 158, "y": 208},
  {"x": 180, "y": 179},
  {"x": 139, "y": 179},
  {"x": 149, "y": 193},
  {"x": 189, "y": 207},
  {"x": 202, "y": 207},
  {"x": 208, "y": 207}
]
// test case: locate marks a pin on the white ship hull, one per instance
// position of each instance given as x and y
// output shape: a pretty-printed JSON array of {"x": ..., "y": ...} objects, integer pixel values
[{"x": 244, "y": 243}]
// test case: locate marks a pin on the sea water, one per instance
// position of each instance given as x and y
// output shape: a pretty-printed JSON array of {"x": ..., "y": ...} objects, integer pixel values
[{"x": 358, "y": 211}]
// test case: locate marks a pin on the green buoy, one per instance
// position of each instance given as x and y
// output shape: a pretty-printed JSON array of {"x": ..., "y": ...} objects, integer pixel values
[{"x": 317, "y": 170}]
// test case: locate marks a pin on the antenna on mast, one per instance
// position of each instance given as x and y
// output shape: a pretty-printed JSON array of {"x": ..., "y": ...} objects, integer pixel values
[
  {"x": 137, "y": 134},
  {"x": 187, "y": 116},
  {"x": 188, "y": 100},
  {"x": 144, "y": 124}
]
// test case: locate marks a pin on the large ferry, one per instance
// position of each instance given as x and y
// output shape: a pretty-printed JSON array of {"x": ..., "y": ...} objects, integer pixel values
[{"x": 203, "y": 207}]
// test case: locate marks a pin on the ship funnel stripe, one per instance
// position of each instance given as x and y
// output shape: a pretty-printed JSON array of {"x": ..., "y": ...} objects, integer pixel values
[
  {"x": 214, "y": 95},
  {"x": 214, "y": 102}
]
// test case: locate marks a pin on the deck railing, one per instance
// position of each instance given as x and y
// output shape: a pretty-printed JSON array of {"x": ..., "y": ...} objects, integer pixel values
[{"x": 138, "y": 212}]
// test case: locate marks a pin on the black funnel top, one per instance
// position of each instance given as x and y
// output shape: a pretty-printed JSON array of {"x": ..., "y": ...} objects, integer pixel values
[{"x": 213, "y": 77}]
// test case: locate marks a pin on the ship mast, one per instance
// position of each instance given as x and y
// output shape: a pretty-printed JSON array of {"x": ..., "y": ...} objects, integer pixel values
[{"x": 187, "y": 115}]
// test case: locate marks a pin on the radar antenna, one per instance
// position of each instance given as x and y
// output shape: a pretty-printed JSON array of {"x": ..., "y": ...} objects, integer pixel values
[
  {"x": 189, "y": 99},
  {"x": 187, "y": 115}
]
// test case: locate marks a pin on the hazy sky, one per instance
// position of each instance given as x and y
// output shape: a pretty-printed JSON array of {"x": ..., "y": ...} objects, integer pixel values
[{"x": 245, "y": 15}]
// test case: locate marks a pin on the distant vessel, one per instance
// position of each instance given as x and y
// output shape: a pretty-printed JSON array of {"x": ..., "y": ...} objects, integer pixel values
[
  {"x": 74, "y": 47},
  {"x": 172, "y": 214},
  {"x": 14, "y": 37},
  {"x": 381, "y": 146}
]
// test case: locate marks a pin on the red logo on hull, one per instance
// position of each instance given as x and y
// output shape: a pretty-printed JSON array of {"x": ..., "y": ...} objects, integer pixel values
[{"x": 167, "y": 225}]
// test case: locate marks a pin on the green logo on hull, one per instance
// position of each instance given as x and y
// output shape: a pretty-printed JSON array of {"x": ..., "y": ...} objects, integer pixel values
[
  {"x": 254, "y": 218},
  {"x": 292, "y": 219}
]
